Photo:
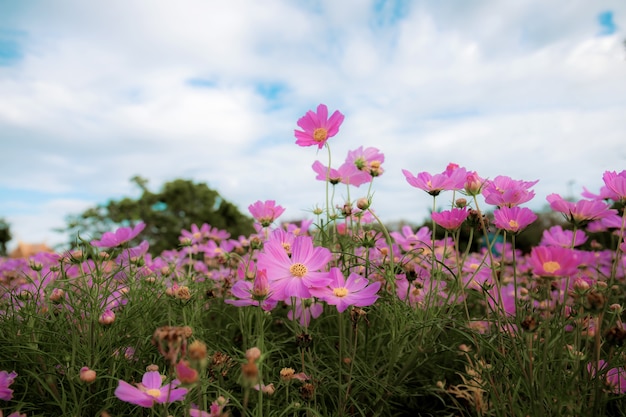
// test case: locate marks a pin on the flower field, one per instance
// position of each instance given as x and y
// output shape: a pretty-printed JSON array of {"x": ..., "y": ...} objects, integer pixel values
[{"x": 336, "y": 316}]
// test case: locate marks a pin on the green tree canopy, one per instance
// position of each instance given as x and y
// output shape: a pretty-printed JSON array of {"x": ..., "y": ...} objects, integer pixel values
[
  {"x": 179, "y": 204},
  {"x": 5, "y": 236}
]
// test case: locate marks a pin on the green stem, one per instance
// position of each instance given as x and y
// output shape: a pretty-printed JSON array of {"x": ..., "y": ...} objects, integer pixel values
[{"x": 340, "y": 368}]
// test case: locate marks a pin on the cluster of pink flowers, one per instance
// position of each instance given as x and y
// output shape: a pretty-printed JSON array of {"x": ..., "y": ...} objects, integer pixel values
[{"x": 282, "y": 263}]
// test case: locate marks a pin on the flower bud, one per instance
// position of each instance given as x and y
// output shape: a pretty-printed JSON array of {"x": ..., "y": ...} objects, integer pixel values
[
  {"x": 197, "y": 350},
  {"x": 253, "y": 354},
  {"x": 185, "y": 373},
  {"x": 106, "y": 318},
  {"x": 363, "y": 203},
  {"x": 87, "y": 375}
]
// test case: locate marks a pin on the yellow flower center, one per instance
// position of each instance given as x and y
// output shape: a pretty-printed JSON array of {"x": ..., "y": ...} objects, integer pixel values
[
  {"x": 340, "y": 292},
  {"x": 298, "y": 270},
  {"x": 551, "y": 266},
  {"x": 514, "y": 225},
  {"x": 287, "y": 248},
  {"x": 320, "y": 134},
  {"x": 155, "y": 393}
]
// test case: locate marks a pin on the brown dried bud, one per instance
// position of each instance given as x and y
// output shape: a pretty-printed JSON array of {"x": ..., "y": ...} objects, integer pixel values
[
  {"x": 529, "y": 324},
  {"x": 303, "y": 340},
  {"x": 595, "y": 301},
  {"x": 307, "y": 391},
  {"x": 250, "y": 371},
  {"x": 615, "y": 336},
  {"x": 197, "y": 350}
]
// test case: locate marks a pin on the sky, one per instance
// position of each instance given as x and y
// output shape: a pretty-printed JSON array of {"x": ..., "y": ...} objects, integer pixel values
[{"x": 93, "y": 93}]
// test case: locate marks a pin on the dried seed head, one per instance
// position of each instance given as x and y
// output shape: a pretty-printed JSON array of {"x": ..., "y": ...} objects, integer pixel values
[{"x": 197, "y": 350}]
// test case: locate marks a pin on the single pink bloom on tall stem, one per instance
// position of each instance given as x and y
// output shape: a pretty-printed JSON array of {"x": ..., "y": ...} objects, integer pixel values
[
  {"x": 513, "y": 219},
  {"x": 556, "y": 236},
  {"x": 347, "y": 174},
  {"x": 616, "y": 183},
  {"x": 342, "y": 293},
  {"x": 553, "y": 261},
  {"x": 368, "y": 160},
  {"x": 317, "y": 127},
  {"x": 473, "y": 184},
  {"x": 410, "y": 241},
  {"x": 120, "y": 236},
  {"x": 504, "y": 191},
  {"x": 581, "y": 212},
  {"x": 150, "y": 391},
  {"x": 265, "y": 212},
  {"x": 435, "y": 184},
  {"x": 451, "y": 219},
  {"x": 293, "y": 276}
]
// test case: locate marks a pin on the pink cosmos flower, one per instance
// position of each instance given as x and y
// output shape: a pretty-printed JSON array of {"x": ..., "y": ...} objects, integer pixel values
[
  {"x": 513, "y": 219},
  {"x": 473, "y": 183},
  {"x": 556, "y": 236},
  {"x": 197, "y": 234},
  {"x": 293, "y": 276},
  {"x": 605, "y": 194},
  {"x": 120, "y": 236},
  {"x": 317, "y": 127},
  {"x": 305, "y": 310},
  {"x": 150, "y": 391},
  {"x": 615, "y": 377},
  {"x": 581, "y": 212},
  {"x": 451, "y": 219},
  {"x": 255, "y": 293},
  {"x": 616, "y": 183},
  {"x": 553, "y": 261},
  {"x": 504, "y": 191},
  {"x": 6, "y": 379},
  {"x": 265, "y": 212},
  {"x": 347, "y": 174},
  {"x": 410, "y": 241},
  {"x": 368, "y": 160},
  {"x": 456, "y": 174},
  {"x": 341, "y": 292},
  {"x": 215, "y": 410},
  {"x": 435, "y": 184}
]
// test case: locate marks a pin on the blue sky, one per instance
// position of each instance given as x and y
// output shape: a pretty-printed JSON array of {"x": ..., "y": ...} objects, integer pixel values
[{"x": 93, "y": 93}]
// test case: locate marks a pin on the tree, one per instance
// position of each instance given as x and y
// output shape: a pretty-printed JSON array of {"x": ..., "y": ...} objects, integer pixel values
[
  {"x": 179, "y": 204},
  {"x": 5, "y": 236}
]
